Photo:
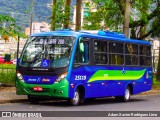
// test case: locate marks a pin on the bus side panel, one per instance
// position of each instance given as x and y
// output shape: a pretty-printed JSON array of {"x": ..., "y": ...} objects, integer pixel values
[
  {"x": 93, "y": 79},
  {"x": 102, "y": 81},
  {"x": 145, "y": 83},
  {"x": 80, "y": 76}
]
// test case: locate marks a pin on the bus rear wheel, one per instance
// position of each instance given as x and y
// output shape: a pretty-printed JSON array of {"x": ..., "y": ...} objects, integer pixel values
[
  {"x": 33, "y": 100},
  {"x": 125, "y": 97},
  {"x": 76, "y": 99}
]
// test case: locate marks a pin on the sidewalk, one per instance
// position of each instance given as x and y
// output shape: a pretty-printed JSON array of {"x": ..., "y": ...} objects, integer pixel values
[{"x": 8, "y": 95}]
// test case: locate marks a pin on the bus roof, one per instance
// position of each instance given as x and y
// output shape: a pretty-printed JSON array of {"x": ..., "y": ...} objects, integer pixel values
[{"x": 104, "y": 35}]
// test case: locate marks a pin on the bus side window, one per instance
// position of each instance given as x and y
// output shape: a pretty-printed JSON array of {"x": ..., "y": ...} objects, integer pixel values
[
  {"x": 82, "y": 53},
  {"x": 131, "y": 54},
  {"x": 145, "y": 55},
  {"x": 100, "y": 52},
  {"x": 116, "y": 56}
]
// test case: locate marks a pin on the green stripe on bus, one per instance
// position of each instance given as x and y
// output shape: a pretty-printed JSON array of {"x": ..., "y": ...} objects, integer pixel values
[{"x": 117, "y": 75}]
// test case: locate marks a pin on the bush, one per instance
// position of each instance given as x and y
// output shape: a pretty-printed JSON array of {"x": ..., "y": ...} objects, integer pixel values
[{"x": 7, "y": 74}]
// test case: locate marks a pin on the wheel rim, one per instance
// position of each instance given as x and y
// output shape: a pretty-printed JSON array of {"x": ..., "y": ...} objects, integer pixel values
[
  {"x": 76, "y": 98},
  {"x": 127, "y": 94}
]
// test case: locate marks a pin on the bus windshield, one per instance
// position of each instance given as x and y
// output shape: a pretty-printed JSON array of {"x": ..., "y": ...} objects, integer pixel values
[{"x": 47, "y": 51}]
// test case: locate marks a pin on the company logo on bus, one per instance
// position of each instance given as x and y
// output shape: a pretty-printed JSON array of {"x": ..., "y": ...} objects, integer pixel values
[
  {"x": 34, "y": 79},
  {"x": 45, "y": 80}
]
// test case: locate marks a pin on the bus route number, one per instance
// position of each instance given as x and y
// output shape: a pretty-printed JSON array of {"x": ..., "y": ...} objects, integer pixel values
[{"x": 80, "y": 77}]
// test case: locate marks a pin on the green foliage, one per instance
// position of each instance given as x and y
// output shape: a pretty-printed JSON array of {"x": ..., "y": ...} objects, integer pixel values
[
  {"x": 7, "y": 66},
  {"x": 111, "y": 12},
  {"x": 107, "y": 15},
  {"x": 11, "y": 30},
  {"x": 61, "y": 13},
  {"x": 7, "y": 74}
]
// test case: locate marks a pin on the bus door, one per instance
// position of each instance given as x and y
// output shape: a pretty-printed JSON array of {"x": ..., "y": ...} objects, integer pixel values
[{"x": 82, "y": 69}]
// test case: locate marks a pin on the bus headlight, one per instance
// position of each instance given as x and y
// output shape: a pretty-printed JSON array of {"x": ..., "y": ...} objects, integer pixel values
[
  {"x": 61, "y": 77},
  {"x": 20, "y": 77}
]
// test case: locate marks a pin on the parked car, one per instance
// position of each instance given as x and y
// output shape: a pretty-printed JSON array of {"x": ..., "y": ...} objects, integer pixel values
[{"x": 1, "y": 59}]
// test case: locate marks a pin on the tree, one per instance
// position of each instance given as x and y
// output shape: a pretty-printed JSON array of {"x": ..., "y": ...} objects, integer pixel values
[
  {"x": 53, "y": 15},
  {"x": 67, "y": 12},
  {"x": 78, "y": 14},
  {"x": 60, "y": 14},
  {"x": 10, "y": 29},
  {"x": 111, "y": 12}
]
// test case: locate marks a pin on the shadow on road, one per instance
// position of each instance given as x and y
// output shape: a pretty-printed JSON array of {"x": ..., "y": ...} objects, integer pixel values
[{"x": 98, "y": 101}]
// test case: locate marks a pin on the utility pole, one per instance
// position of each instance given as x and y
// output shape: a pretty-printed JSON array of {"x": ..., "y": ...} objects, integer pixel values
[
  {"x": 78, "y": 14},
  {"x": 127, "y": 18},
  {"x": 53, "y": 22},
  {"x": 67, "y": 10},
  {"x": 31, "y": 17}
]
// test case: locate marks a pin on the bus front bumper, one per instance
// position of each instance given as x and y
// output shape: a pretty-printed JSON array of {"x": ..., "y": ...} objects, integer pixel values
[{"x": 59, "y": 90}]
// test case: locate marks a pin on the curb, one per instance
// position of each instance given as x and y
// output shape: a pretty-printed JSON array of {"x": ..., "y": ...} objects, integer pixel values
[{"x": 13, "y": 101}]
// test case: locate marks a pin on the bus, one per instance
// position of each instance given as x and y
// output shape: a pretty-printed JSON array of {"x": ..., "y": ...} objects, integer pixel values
[{"x": 75, "y": 66}]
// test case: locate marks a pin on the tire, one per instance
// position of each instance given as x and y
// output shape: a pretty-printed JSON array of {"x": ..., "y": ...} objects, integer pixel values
[
  {"x": 33, "y": 100},
  {"x": 76, "y": 99},
  {"x": 125, "y": 97}
]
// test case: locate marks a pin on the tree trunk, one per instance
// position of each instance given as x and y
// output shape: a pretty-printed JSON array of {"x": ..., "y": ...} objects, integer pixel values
[
  {"x": 53, "y": 27},
  {"x": 126, "y": 18},
  {"x": 67, "y": 10},
  {"x": 78, "y": 14}
]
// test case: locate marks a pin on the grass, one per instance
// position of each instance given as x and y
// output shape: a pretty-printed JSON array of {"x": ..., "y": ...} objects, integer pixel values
[
  {"x": 8, "y": 74},
  {"x": 7, "y": 66},
  {"x": 156, "y": 83}
]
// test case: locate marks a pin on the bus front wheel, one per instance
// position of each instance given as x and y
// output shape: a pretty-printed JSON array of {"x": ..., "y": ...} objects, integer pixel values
[
  {"x": 33, "y": 100},
  {"x": 125, "y": 97},
  {"x": 76, "y": 99}
]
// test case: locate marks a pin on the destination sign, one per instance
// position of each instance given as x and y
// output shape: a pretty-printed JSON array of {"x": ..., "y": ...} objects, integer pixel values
[{"x": 57, "y": 41}]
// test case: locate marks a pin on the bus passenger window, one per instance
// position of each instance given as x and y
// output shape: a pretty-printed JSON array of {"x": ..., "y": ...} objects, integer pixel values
[
  {"x": 145, "y": 50},
  {"x": 131, "y": 59},
  {"x": 131, "y": 49},
  {"x": 116, "y": 56},
  {"x": 82, "y": 53},
  {"x": 131, "y": 54},
  {"x": 116, "y": 47},
  {"x": 115, "y": 59},
  {"x": 100, "y": 52},
  {"x": 145, "y": 61}
]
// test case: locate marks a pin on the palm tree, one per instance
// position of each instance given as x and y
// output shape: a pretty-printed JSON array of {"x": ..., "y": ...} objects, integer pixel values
[
  {"x": 78, "y": 14},
  {"x": 67, "y": 12},
  {"x": 53, "y": 15}
]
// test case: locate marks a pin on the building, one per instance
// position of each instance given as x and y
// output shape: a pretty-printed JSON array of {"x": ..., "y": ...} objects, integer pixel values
[{"x": 38, "y": 27}]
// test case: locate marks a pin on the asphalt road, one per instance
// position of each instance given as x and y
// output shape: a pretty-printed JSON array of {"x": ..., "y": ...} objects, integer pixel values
[{"x": 137, "y": 103}]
